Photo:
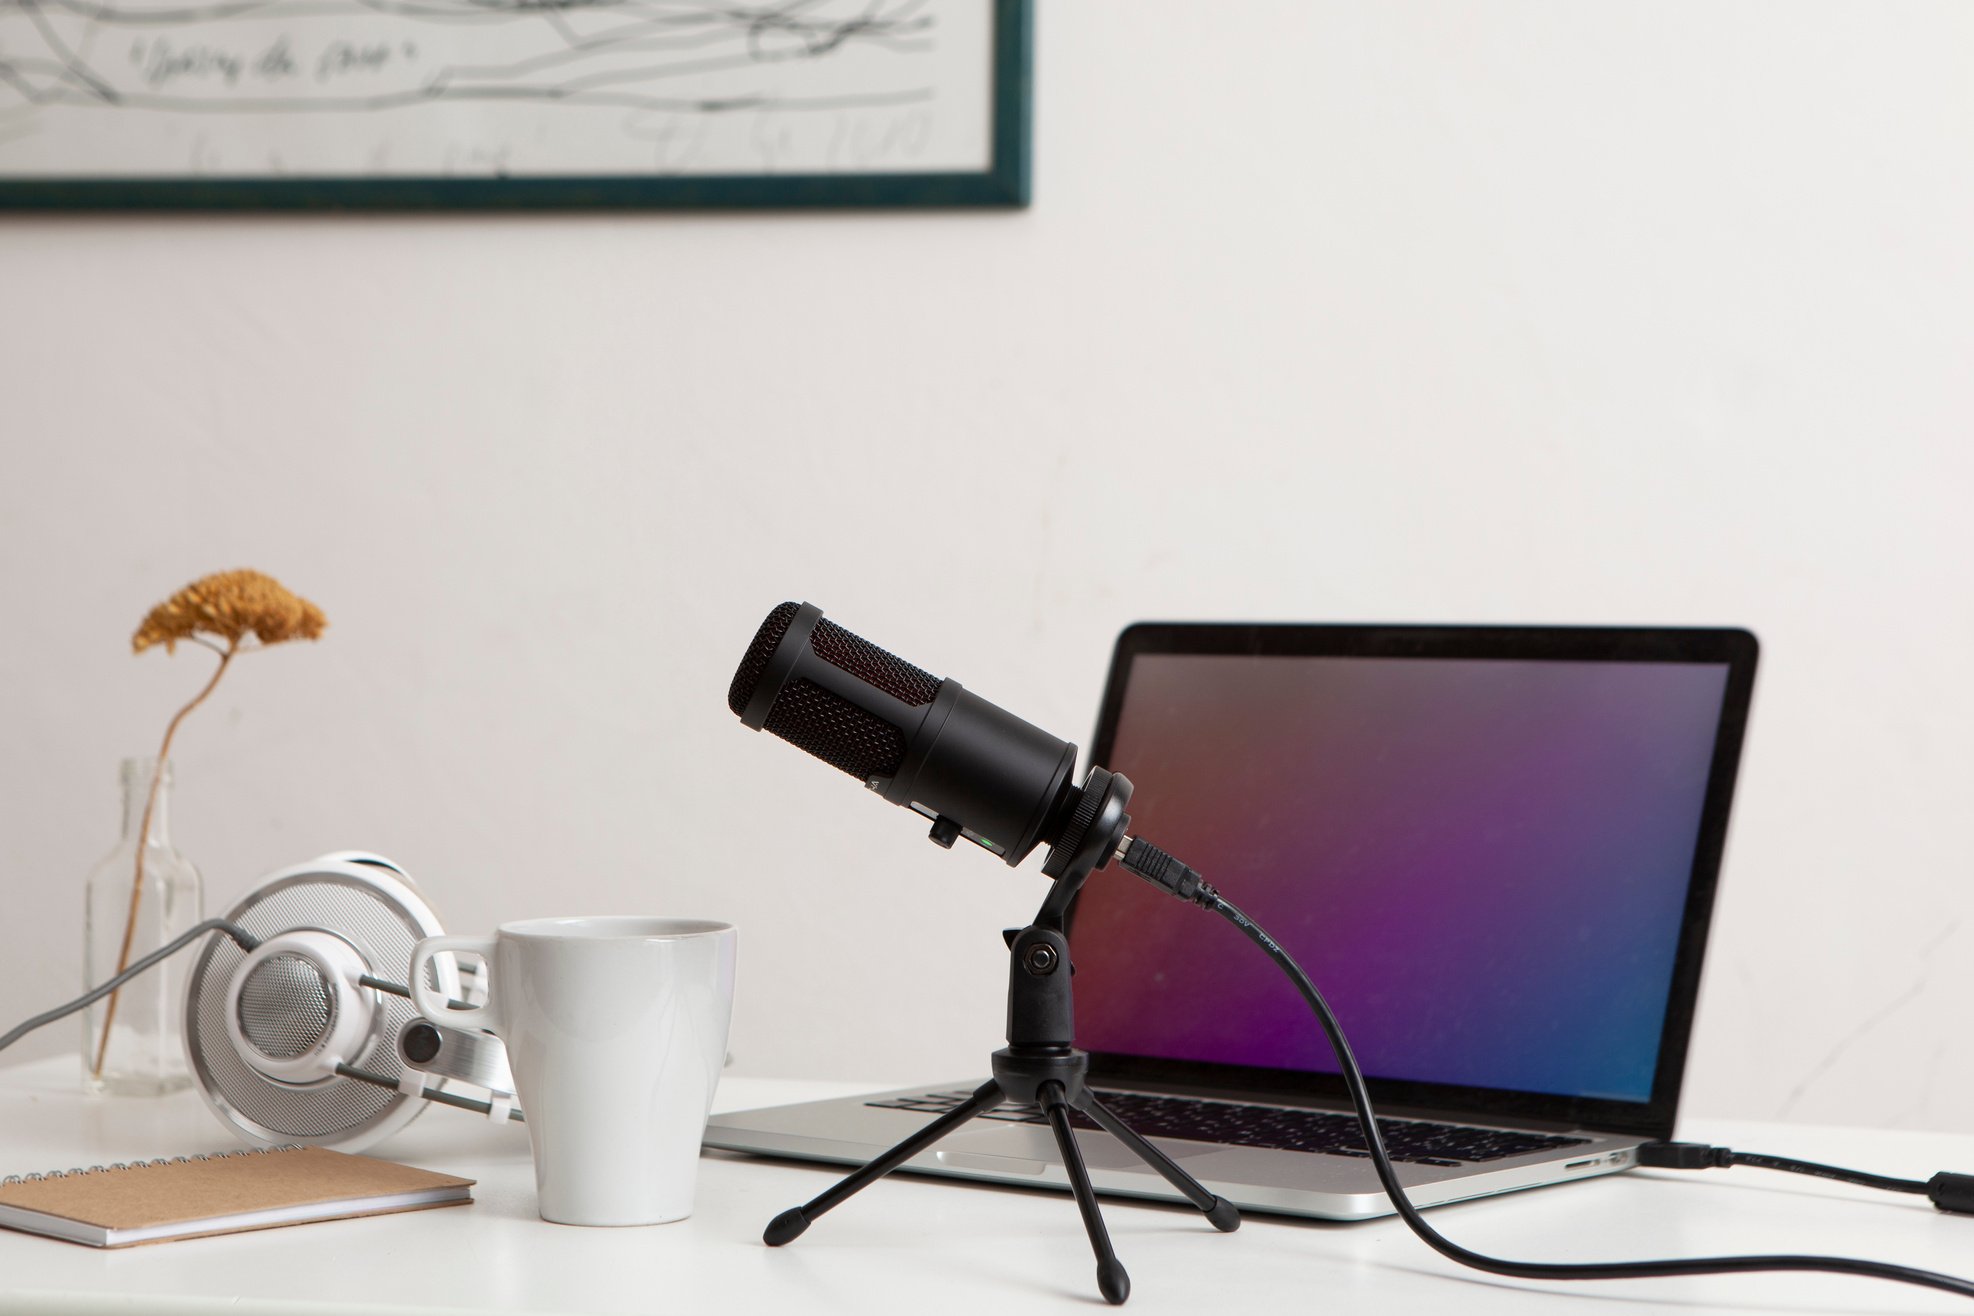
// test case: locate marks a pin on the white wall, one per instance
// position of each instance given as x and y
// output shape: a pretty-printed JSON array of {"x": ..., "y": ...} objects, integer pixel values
[{"x": 1517, "y": 312}]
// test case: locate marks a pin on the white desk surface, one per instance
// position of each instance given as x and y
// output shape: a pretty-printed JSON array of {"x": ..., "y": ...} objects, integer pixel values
[{"x": 914, "y": 1245}]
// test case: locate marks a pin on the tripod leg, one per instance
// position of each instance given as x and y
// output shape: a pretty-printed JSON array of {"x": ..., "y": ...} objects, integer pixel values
[
  {"x": 788, "y": 1226},
  {"x": 1112, "y": 1281},
  {"x": 1220, "y": 1213}
]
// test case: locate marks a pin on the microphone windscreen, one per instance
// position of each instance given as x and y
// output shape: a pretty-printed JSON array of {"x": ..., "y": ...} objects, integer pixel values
[
  {"x": 839, "y": 731},
  {"x": 755, "y": 661},
  {"x": 872, "y": 665}
]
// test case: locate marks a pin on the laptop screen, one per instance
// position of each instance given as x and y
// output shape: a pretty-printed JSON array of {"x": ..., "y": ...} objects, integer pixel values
[{"x": 1486, "y": 863}]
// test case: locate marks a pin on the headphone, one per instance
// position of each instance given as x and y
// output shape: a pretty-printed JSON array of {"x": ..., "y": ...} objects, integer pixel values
[{"x": 309, "y": 1038}]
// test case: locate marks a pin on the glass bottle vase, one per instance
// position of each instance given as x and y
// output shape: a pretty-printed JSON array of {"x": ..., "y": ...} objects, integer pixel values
[{"x": 139, "y": 897}]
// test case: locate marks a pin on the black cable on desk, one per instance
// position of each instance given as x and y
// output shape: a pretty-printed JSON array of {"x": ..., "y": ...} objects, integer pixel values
[
  {"x": 1163, "y": 871},
  {"x": 1947, "y": 1190}
]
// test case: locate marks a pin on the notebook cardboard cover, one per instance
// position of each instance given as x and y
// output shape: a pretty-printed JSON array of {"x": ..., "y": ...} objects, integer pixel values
[{"x": 186, "y": 1192}]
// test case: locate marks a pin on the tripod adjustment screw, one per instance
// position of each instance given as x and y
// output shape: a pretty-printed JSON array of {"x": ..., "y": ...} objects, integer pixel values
[{"x": 1041, "y": 960}]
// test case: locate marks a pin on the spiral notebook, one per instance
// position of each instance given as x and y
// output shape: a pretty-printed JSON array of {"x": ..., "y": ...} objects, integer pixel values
[{"x": 225, "y": 1193}]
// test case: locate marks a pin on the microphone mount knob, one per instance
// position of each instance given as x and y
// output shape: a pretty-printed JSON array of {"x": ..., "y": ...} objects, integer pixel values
[{"x": 944, "y": 832}]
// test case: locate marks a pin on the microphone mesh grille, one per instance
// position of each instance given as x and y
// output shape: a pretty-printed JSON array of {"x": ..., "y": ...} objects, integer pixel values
[
  {"x": 755, "y": 661},
  {"x": 836, "y": 731},
  {"x": 868, "y": 663}
]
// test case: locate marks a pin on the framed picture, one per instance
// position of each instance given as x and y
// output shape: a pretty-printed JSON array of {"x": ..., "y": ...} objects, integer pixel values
[{"x": 512, "y": 104}]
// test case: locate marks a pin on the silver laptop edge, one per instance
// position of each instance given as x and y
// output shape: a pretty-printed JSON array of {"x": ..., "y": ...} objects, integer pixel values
[{"x": 849, "y": 1131}]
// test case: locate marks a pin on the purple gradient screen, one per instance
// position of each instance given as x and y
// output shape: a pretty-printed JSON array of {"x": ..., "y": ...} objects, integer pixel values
[{"x": 1483, "y": 864}]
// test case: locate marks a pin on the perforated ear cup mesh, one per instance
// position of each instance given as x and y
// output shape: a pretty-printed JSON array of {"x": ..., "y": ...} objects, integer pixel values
[
  {"x": 285, "y": 1006},
  {"x": 379, "y": 914}
]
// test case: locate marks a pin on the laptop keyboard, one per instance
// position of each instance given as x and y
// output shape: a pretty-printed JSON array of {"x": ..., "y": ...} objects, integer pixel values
[{"x": 1420, "y": 1142}]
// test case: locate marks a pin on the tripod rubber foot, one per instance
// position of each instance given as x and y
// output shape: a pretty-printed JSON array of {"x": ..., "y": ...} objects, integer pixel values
[
  {"x": 1224, "y": 1216},
  {"x": 785, "y": 1228},
  {"x": 1112, "y": 1282}
]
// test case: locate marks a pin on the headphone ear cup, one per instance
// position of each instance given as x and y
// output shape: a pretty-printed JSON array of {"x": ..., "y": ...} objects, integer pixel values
[
  {"x": 296, "y": 1007},
  {"x": 346, "y": 915}
]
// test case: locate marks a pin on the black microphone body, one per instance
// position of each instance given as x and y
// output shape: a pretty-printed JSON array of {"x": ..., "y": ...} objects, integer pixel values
[{"x": 931, "y": 745}]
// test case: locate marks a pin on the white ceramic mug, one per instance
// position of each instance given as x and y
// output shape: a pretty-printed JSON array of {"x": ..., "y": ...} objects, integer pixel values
[{"x": 616, "y": 1029}]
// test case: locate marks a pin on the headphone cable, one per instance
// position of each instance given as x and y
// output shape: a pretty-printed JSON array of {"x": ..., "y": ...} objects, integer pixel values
[{"x": 246, "y": 939}]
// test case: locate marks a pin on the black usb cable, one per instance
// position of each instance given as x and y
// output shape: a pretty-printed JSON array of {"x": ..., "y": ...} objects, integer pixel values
[
  {"x": 1951, "y": 1192},
  {"x": 1946, "y": 1190}
]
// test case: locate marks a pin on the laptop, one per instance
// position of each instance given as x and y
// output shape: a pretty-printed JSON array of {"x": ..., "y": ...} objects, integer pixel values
[{"x": 1494, "y": 849}]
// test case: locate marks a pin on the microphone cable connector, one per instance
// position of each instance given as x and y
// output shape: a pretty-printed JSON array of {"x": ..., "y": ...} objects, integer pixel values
[{"x": 1168, "y": 874}]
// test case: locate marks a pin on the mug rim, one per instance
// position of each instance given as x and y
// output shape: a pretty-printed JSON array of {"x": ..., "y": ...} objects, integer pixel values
[{"x": 613, "y": 927}]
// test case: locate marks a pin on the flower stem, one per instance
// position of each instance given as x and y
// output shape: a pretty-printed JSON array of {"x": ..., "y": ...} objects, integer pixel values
[{"x": 143, "y": 841}]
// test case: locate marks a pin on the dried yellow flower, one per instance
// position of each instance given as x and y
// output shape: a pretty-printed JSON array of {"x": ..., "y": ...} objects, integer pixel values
[{"x": 230, "y": 605}]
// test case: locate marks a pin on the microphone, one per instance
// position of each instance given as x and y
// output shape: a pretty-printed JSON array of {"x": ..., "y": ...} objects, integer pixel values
[{"x": 927, "y": 744}]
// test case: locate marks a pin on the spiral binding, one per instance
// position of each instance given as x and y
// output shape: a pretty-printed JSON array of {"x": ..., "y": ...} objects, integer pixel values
[{"x": 114, "y": 1166}]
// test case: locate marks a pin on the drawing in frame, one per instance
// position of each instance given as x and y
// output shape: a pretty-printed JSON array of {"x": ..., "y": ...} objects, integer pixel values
[{"x": 513, "y": 104}]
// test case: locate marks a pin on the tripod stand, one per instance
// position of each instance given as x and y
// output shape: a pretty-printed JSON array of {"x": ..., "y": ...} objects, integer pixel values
[{"x": 1041, "y": 1065}]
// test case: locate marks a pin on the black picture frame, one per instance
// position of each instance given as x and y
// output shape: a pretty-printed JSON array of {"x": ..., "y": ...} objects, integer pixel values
[{"x": 1005, "y": 183}]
